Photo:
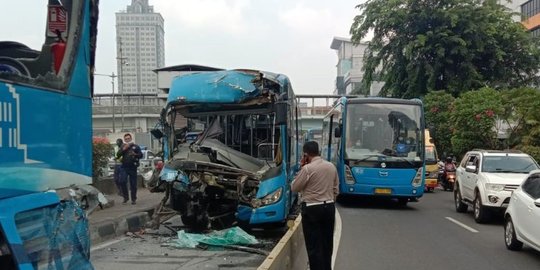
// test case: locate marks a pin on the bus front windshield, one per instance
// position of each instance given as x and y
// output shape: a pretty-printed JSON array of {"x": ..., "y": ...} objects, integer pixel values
[{"x": 390, "y": 132}]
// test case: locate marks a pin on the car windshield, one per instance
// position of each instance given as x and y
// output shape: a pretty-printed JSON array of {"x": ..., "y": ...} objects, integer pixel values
[
  {"x": 508, "y": 164},
  {"x": 430, "y": 154}
]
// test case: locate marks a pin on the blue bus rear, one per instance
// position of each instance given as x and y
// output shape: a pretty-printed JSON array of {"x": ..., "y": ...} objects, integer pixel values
[
  {"x": 241, "y": 165},
  {"x": 377, "y": 145},
  {"x": 45, "y": 140}
]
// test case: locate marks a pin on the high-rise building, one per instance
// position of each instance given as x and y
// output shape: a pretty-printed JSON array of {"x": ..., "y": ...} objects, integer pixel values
[
  {"x": 140, "y": 48},
  {"x": 349, "y": 68}
]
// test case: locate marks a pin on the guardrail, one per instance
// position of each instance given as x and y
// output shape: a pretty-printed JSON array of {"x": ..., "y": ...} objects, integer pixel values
[{"x": 290, "y": 251}]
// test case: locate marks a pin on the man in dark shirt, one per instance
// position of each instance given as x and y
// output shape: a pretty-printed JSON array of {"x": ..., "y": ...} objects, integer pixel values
[
  {"x": 130, "y": 154},
  {"x": 318, "y": 183}
]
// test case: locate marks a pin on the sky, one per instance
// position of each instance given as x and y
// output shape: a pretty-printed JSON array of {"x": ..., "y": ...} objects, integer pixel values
[{"x": 291, "y": 37}]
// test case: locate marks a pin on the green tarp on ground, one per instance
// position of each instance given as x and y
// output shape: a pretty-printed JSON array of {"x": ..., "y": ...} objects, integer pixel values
[{"x": 227, "y": 237}]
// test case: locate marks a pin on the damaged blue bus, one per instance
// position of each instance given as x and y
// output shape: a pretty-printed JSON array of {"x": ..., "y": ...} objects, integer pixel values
[
  {"x": 240, "y": 167},
  {"x": 46, "y": 139},
  {"x": 377, "y": 145}
]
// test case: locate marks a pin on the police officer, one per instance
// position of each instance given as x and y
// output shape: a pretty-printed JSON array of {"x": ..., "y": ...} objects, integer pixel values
[
  {"x": 130, "y": 154},
  {"x": 318, "y": 183}
]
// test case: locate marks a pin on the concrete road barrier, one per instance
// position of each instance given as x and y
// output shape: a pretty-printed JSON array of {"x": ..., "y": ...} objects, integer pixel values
[{"x": 290, "y": 252}]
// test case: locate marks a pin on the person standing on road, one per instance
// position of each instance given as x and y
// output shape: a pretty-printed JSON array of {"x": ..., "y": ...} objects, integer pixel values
[
  {"x": 130, "y": 154},
  {"x": 318, "y": 183},
  {"x": 118, "y": 166}
]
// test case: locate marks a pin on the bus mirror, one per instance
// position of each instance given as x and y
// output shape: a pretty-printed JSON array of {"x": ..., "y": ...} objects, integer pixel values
[
  {"x": 337, "y": 132},
  {"x": 156, "y": 133},
  {"x": 281, "y": 112}
]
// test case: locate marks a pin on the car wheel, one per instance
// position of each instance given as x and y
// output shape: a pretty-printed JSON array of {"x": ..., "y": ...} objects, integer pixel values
[
  {"x": 460, "y": 206},
  {"x": 510, "y": 239},
  {"x": 481, "y": 214}
]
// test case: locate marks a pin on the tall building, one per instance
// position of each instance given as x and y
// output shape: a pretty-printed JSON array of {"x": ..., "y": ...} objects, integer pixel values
[
  {"x": 349, "y": 67},
  {"x": 140, "y": 48}
]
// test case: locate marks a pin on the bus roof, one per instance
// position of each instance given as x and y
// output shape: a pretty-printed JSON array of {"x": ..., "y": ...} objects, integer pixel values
[
  {"x": 360, "y": 100},
  {"x": 225, "y": 87}
]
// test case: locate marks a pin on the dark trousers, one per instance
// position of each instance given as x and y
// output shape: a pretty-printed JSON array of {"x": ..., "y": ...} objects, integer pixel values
[
  {"x": 128, "y": 176},
  {"x": 318, "y": 225},
  {"x": 117, "y": 181}
]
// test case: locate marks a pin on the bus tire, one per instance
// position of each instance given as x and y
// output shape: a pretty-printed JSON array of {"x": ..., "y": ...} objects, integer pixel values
[{"x": 403, "y": 201}]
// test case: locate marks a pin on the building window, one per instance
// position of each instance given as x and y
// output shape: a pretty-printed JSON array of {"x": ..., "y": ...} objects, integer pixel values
[{"x": 530, "y": 8}]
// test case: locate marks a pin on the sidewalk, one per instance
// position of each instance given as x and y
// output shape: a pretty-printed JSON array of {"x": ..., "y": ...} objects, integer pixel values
[{"x": 118, "y": 219}]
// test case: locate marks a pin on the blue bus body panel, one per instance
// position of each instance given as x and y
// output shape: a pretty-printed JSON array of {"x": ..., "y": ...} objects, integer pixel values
[
  {"x": 218, "y": 87},
  {"x": 10, "y": 207},
  {"x": 45, "y": 135},
  {"x": 368, "y": 179}
]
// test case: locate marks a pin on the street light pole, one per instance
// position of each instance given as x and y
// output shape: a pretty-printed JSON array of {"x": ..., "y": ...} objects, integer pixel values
[
  {"x": 121, "y": 78},
  {"x": 112, "y": 76}
]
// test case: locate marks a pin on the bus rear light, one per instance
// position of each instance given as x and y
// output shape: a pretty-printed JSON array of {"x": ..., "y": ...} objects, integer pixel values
[
  {"x": 417, "y": 181},
  {"x": 349, "y": 178}
]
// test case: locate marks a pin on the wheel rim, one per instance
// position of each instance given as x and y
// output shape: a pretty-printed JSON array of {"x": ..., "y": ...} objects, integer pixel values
[
  {"x": 458, "y": 198},
  {"x": 477, "y": 207},
  {"x": 509, "y": 233}
]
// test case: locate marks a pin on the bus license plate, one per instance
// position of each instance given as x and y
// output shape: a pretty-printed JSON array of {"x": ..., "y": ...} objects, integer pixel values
[{"x": 385, "y": 191}]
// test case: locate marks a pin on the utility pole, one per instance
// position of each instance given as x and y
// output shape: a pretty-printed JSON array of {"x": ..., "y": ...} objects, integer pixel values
[
  {"x": 112, "y": 76},
  {"x": 121, "y": 63}
]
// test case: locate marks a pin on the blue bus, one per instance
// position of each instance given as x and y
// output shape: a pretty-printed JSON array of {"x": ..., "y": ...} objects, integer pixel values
[
  {"x": 377, "y": 145},
  {"x": 313, "y": 134},
  {"x": 46, "y": 139},
  {"x": 240, "y": 167}
]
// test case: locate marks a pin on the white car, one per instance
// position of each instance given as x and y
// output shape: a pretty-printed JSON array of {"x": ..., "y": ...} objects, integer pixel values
[
  {"x": 522, "y": 218},
  {"x": 485, "y": 180}
]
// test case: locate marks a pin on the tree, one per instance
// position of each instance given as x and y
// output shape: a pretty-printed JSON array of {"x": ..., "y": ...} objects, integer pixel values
[
  {"x": 438, "y": 107},
  {"x": 453, "y": 45},
  {"x": 101, "y": 151},
  {"x": 474, "y": 117},
  {"x": 522, "y": 116}
]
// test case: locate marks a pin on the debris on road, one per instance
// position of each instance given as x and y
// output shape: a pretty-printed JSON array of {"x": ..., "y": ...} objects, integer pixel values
[{"x": 234, "y": 236}]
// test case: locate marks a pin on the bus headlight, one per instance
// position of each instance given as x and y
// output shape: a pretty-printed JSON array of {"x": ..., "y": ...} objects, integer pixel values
[
  {"x": 349, "y": 178},
  {"x": 272, "y": 197},
  {"x": 418, "y": 178}
]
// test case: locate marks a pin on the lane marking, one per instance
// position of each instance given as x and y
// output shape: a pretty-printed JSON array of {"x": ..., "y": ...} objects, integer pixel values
[
  {"x": 106, "y": 244},
  {"x": 462, "y": 225},
  {"x": 337, "y": 237}
]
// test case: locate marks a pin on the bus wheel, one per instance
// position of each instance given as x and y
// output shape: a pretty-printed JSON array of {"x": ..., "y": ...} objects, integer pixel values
[{"x": 403, "y": 201}]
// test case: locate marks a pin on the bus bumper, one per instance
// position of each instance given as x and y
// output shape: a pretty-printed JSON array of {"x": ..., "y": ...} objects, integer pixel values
[
  {"x": 383, "y": 191},
  {"x": 265, "y": 214}
]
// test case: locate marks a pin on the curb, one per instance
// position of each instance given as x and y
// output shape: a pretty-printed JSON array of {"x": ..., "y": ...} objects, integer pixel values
[
  {"x": 290, "y": 251},
  {"x": 111, "y": 228}
]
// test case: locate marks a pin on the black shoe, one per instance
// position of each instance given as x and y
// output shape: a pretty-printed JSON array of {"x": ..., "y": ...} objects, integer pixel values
[
  {"x": 133, "y": 203},
  {"x": 125, "y": 202}
]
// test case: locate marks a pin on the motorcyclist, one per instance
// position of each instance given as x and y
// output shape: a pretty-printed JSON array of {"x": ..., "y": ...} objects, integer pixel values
[{"x": 449, "y": 166}]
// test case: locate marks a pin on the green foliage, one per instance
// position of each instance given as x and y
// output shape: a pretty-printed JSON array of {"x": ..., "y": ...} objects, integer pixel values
[
  {"x": 522, "y": 115},
  {"x": 438, "y": 106},
  {"x": 474, "y": 120},
  {"x": 453, "y": 45},
  {"x": 101, "y": 151}
]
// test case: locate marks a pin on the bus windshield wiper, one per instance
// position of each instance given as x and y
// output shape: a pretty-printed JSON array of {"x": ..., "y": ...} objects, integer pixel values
[
  {"x": 404, "y": 159},
  {"x": 366, "y": 157}
]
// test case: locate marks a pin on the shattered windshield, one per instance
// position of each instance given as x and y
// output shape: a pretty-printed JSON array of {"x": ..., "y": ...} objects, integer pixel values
[
  {"x": 251, "y": 137},
  {"x": 384, "y": 131}
]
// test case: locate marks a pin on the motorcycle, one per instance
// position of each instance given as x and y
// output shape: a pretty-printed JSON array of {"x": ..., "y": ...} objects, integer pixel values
[{"x": 449, "y": 178}]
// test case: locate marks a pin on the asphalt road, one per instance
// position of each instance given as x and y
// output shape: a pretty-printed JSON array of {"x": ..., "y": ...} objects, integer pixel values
[
  {"x": 382, "y": 235},
  {"x": 148, "y": 251}
]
